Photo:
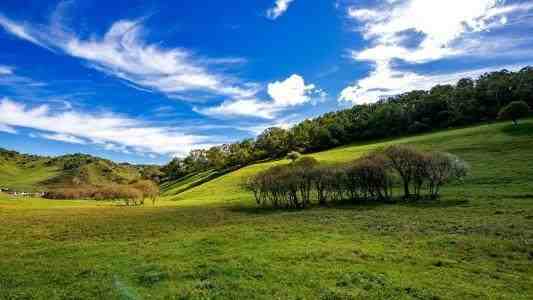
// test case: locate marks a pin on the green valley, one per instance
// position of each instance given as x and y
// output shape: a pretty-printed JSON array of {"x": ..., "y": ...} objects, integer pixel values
[{"x": 210, "y": 241}]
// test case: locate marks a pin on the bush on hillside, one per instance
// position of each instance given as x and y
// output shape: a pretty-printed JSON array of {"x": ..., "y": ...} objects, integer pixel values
[
  {"x": 297, "y": 184},
  {"x": 442, "y": 168},
  {"x": 148, "y": 189},
  {"x": 293, "y": 156},
  {"x": 131, "y": 194}
]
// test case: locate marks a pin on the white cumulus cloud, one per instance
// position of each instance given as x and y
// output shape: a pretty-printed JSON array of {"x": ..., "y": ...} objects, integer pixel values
[
  {"x": 290, "y": 92},
  {"x": 280, "y": 7}
]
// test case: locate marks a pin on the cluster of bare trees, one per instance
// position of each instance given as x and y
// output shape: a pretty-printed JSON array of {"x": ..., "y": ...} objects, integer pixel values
[
  {"x": 419, "y": 170},
  {"x": 133, "y": 194},
  {"x": 373, "y": 177}
]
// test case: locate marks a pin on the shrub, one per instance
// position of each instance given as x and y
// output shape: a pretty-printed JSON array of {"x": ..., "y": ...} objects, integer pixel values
[
  {"x": 306, "y": 163},
  {"x": 406, "y": 160},
  {"x": 85, "y": 192},
  {"x": 293, "y": 156},
  {"x": 443, "y": 168},
  {"x": 297, "y": 184},
  {"x": 322, "y": 178},
  {"x": 301, "y": 174},
  {"x": 514, "y": 111},
  {"x": 373, "y": 176},
  {"x": 148, "y": 189},
  {"x": 130, "y": 194}
]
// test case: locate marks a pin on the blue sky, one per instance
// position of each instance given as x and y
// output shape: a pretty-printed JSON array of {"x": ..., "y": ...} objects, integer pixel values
[{"x": 143, "y": 81}]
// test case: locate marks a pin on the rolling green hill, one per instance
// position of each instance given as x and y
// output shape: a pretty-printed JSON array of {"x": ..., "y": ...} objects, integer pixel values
[
  {"x": 25, "y": 173},
  {"x": 499, "y": 153},
  {"x": 210, "y": 241},
  {"x": 21, "y": 172},
  {"x": 178, "y": 186}
]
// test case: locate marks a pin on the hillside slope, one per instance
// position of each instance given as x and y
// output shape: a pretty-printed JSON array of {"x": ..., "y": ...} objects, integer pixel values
[
  {"x": 499, "y": 153},
  {"x": 178, "y": 186},
  {"x": 22, "y": 172}
]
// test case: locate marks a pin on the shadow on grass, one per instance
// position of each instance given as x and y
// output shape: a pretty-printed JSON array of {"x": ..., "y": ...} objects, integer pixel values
[
  {"x": 352, "y": 205},
  {"x": 522, "y": 129},
  {"x": 523, "y": 196},
  {"x": 435, "y": 203}
]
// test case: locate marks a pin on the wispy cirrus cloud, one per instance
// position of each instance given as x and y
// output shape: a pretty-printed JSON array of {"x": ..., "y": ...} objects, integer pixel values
[
  {"x": 419, "y": 31},
  {"x": 60, "y": 137},
  {"x": 280, "y": 7},
  {"x": 20, "y": 30},
  {"x": 124, "y": 53},
  {"x": 7, "y": 129},
  {"x": 10, "y": 79},
  {"x": 101, "y": 129}
]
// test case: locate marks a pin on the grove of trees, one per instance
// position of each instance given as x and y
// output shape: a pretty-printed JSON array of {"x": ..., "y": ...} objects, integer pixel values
[
  {"x": 370, "y": 178},
  {"x": 467, "y": 102}
]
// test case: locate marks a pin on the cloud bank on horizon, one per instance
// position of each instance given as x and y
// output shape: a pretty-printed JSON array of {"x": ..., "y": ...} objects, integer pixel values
[{"x": 144, "y": 88}]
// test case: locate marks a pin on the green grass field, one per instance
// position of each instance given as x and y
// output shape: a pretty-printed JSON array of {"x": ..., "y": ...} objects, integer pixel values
[
  {"x": 25, "y": 179},
  {"x": 210, "y": 242}
]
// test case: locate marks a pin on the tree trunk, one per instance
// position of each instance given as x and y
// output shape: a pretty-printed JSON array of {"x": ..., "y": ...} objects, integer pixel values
[{"x": 406, "y": 189}]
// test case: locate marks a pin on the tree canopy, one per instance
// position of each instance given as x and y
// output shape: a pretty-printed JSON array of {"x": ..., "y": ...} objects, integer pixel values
[
  {"x": 514, "y": 111},
  {"x": 501, "y": 94}
]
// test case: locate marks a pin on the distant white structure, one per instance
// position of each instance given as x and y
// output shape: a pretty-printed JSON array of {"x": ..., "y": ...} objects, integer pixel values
[{"x": 21, "y": 194}]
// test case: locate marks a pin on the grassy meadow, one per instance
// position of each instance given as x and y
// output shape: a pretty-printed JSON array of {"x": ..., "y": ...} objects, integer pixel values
[
  {"x": 25, "y": 179},
  {"x": 210, "y": 241}
]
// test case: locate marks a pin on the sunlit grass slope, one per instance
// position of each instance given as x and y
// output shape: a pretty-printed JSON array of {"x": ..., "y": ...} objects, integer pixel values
[
  {"x": 175, "y": 187},
  {"x": 498, "y": 153},
  {"x": 25, "y": 178},
  {"x": 211, "y": 243}
]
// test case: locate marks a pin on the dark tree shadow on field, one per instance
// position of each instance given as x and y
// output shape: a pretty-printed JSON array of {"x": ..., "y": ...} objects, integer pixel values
[
  {"x": 436, "y": 203},
  {"x": 257, "y": 210},
  {"x": 353, "y": 205},
  {"x": 523, "y": 196},
  {"x": 522, "y": 129}
]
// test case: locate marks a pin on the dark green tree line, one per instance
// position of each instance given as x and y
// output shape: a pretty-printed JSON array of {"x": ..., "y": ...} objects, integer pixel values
[{"x": 467, "y": 102}]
